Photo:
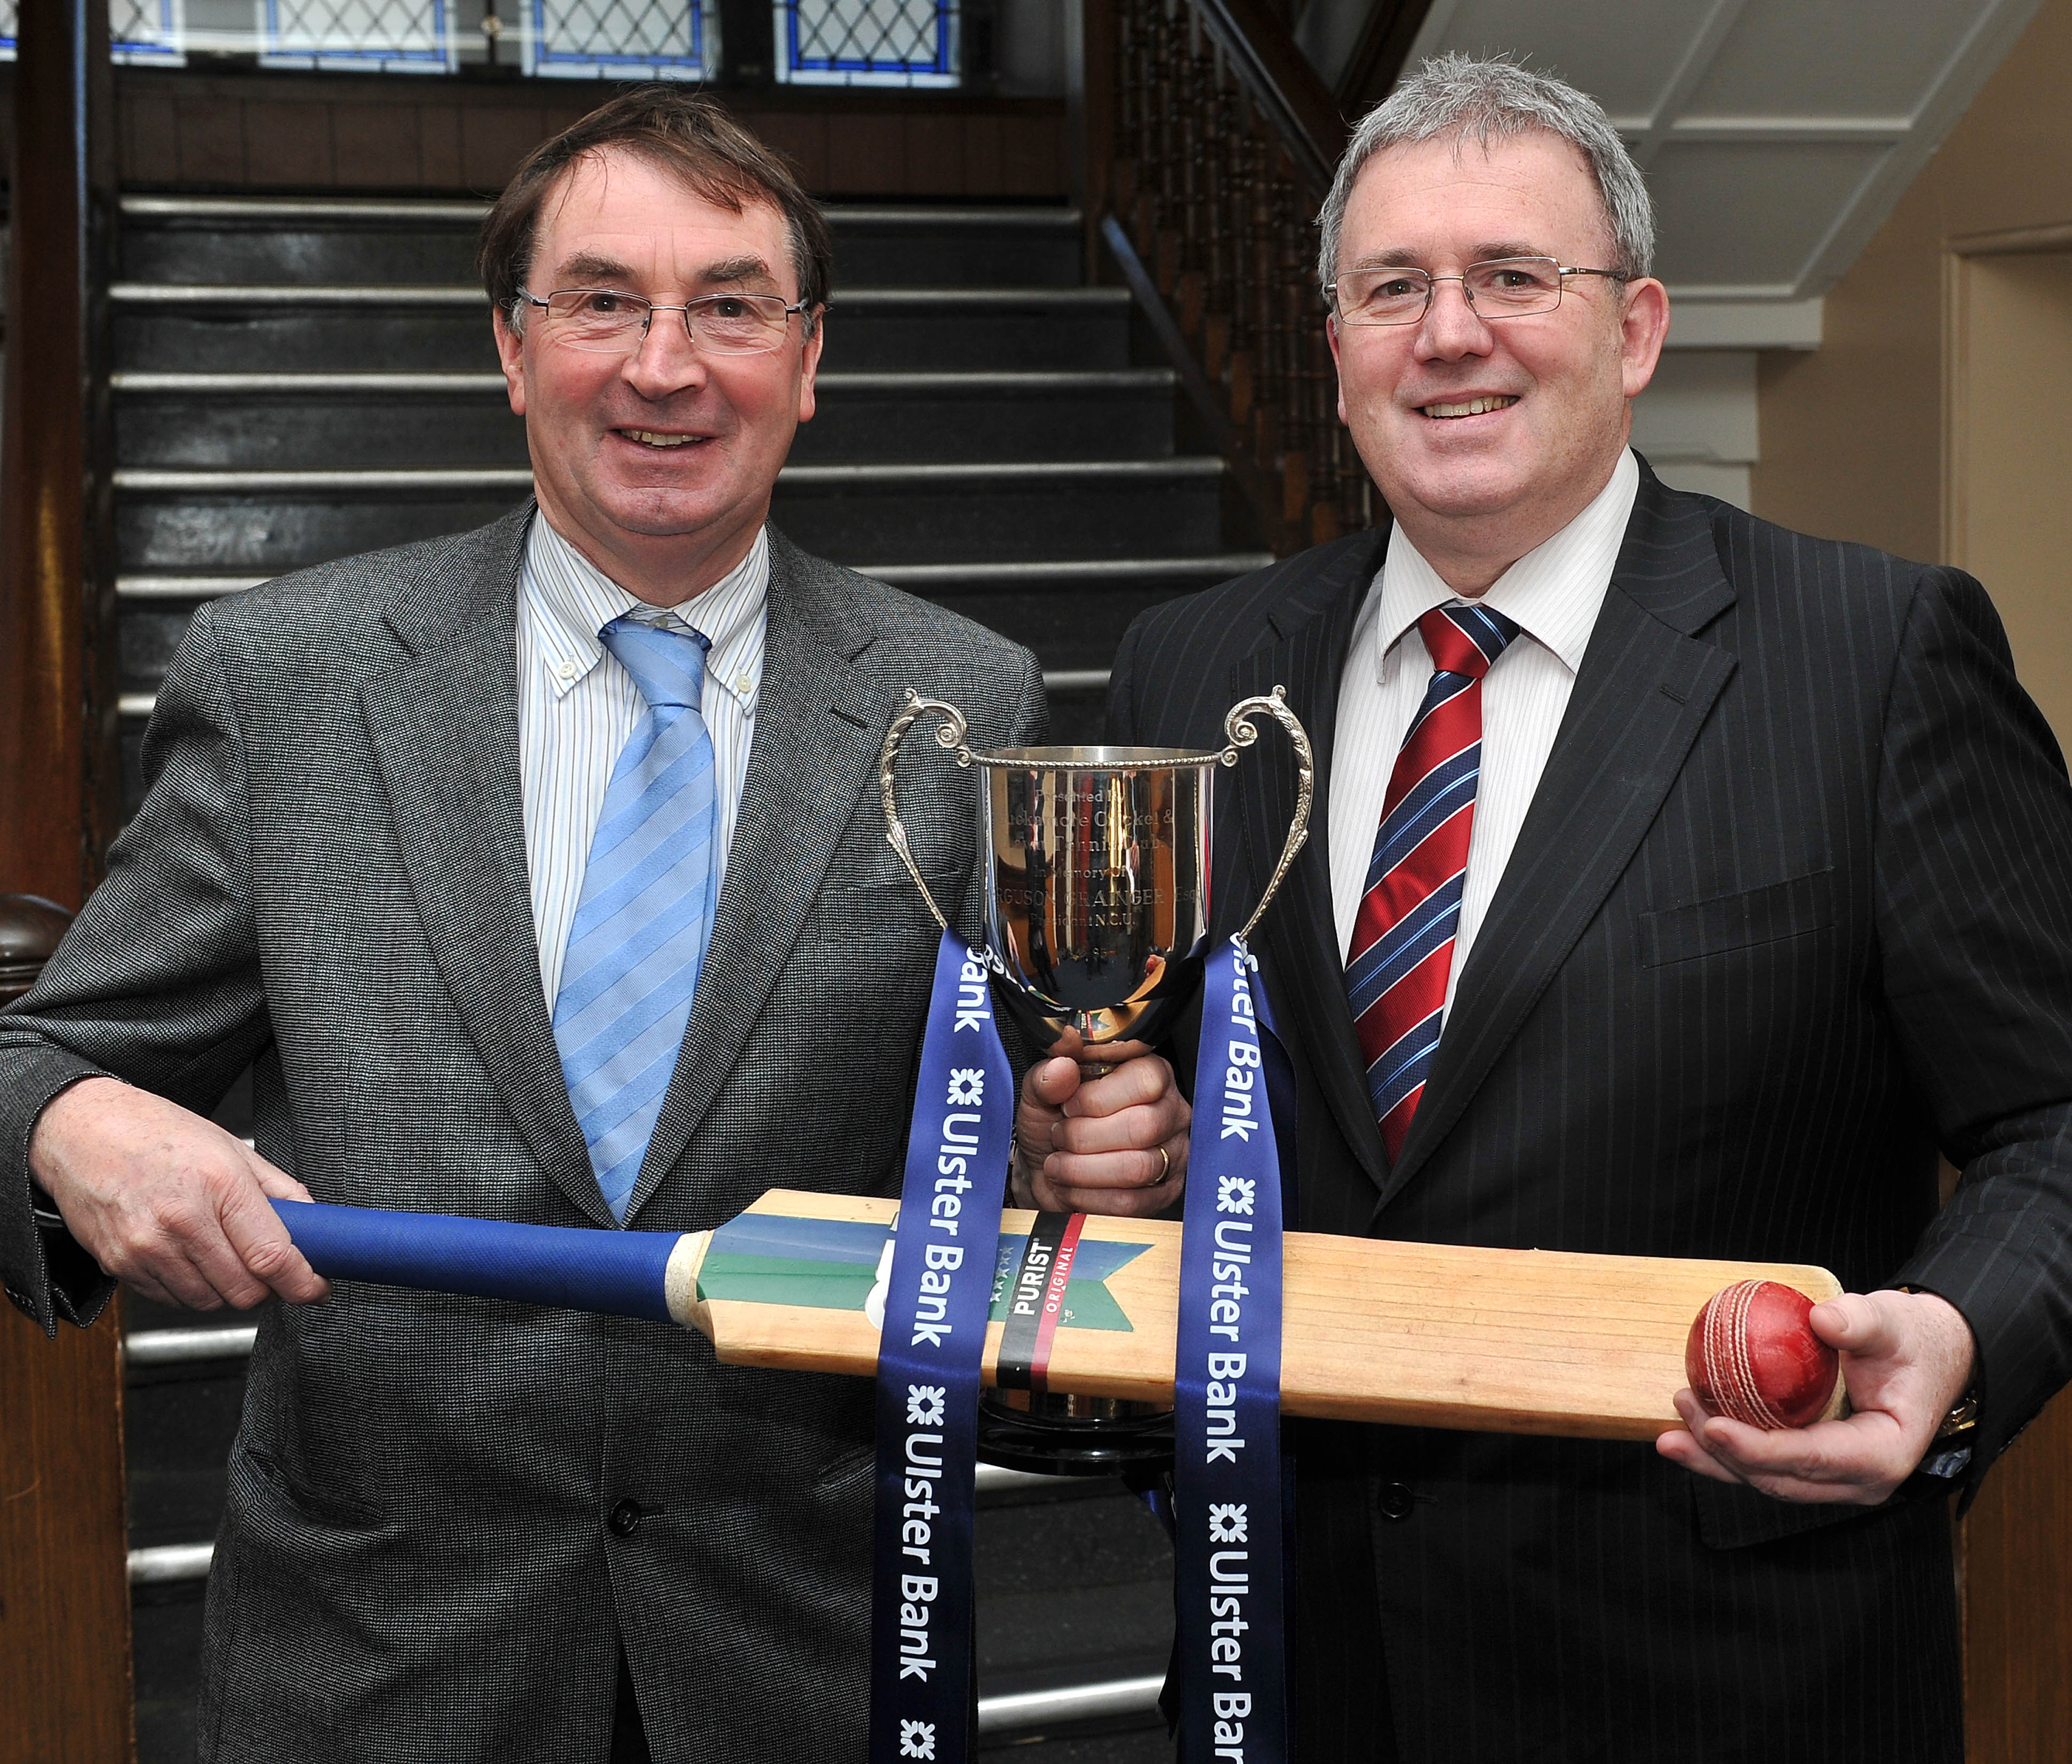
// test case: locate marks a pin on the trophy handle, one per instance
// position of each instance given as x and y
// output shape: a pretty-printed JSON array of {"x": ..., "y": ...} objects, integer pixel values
[
  {"x": 1239, "y": 731},
  {"x": 951, "y": 735}
]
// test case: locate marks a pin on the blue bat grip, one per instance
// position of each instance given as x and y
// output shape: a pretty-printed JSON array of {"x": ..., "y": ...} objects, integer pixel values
[{"x": 617, "y": 1272}]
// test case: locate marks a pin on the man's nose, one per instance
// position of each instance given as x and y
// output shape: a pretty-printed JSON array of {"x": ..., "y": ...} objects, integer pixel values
[
  {"x": 666, "y": 360},
  {"x": 1451, "y": 327}
]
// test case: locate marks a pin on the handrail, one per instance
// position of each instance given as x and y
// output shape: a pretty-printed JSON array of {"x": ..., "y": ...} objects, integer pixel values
[
  {"x": 1281, "y": 81},
  {"x": 30, "y": 929},
  {"x": 1377, "y": 56}
]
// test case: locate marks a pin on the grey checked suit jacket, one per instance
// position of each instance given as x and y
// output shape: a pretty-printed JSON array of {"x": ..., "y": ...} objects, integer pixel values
[
  {"x": 329, "y": 876},
  {"x": 1791, "y": 911}
]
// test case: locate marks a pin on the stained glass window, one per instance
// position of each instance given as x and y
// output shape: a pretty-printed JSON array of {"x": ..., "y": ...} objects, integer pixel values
[
  {"x": 619, "y": 40},
  {"x": 384, "y": 36},
  {"x": 867, "y": 42}
]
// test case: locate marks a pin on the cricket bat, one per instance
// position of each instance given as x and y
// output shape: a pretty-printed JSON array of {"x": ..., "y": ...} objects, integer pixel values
[{"x": 1522, "y": 1341}]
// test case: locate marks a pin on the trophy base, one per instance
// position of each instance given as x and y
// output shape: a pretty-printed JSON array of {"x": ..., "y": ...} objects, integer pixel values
[{"x": 1072, "y": 1436}]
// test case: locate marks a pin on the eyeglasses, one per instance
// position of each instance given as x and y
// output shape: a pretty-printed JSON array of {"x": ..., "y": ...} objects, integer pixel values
[
  {"x": 611, "y": 321},
  {"x": 1502, "y": 288}
]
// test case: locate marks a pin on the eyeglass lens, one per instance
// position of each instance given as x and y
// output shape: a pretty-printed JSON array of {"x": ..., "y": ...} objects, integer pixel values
[
  {"x": 607, "y": 321},
  {"x": 1504, "y": 287}
]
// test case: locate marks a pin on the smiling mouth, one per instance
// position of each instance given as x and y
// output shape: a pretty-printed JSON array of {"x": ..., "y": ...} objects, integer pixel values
[
  {"x": 1472, "y": 407},
  {"x": 655, "y": 438}
]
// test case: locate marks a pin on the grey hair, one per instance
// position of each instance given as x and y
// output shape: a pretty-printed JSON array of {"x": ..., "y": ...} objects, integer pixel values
[{"x": 1488, "y": 101}]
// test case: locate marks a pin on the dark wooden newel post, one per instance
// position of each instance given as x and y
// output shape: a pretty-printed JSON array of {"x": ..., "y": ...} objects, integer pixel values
[{"x": 64, "y": 1598}]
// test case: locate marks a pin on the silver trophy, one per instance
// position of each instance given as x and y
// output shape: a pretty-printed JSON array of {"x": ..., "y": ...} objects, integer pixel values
[{"x": 1096, "y": 874}]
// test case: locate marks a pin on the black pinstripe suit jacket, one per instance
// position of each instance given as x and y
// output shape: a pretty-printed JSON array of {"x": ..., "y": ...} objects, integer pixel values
[{"x": 1792, "y": 910}]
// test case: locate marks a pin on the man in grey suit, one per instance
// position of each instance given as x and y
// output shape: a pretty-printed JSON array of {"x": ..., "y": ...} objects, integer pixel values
[{"x": 537, "y": 873}]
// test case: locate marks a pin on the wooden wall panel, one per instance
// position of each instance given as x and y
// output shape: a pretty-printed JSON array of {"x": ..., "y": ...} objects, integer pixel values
[
  {"x": 935, "y": 156},
  {"x": 210, "y": 146},
  {"x": 438, "y": 132},
  {"x": 318, "y": 132},
  {"x": 383, "y": 143},
  {"x": 64, "y": 1596},
  {"x": 802, "y": 138},
  {"x": 2017, "y": 1557},
  {"x": 867, "y": 154},
  {"x": 297, "y": 149}
]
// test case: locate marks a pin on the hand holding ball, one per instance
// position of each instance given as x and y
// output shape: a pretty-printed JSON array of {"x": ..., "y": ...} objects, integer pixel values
[{"x": 1752, "y": 1357}]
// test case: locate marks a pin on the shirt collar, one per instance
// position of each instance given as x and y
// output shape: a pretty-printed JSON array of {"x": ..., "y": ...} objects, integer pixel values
[
  {"x": 570, "y": 600},
  {"x": 1553, "y": 593}
]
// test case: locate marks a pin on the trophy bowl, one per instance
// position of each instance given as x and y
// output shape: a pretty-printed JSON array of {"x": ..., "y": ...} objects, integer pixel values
[{"x": 1096, "y": 918}]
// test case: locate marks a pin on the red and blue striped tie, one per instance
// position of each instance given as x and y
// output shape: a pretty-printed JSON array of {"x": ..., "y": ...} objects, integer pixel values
[{"x": 1403, "y": 940}]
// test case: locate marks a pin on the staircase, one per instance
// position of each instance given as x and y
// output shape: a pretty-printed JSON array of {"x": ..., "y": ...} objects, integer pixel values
[{"x": 297, "y": 380}]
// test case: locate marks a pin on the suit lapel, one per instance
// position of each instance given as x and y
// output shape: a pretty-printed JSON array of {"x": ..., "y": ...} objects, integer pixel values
[
  {"x": 819, "y": 722},
  {"x": 1646, "y": 687},
  {"x": 1298, "y": 936},
  {"x": 442, "y": 715}
]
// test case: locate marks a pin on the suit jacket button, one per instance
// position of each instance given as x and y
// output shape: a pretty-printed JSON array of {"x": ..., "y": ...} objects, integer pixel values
[
  {"x": 625, "y": 1519},
  {"x": 1397, "y": 1502}
]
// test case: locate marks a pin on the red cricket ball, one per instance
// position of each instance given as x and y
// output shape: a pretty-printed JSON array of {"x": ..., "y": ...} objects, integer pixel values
[{"x": 1752, "y": 1357}]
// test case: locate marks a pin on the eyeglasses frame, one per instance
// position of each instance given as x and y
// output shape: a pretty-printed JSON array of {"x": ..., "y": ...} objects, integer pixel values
[
  {"x": 684, "y": 307},
  {"x": 1432, "y": 287}
]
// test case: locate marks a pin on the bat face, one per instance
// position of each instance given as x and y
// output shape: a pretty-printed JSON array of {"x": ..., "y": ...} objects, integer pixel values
[{"x": 1514, "y": 1341}]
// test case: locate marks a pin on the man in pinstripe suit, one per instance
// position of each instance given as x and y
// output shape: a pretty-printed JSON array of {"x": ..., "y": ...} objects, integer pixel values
[
  {"x": 1740, "y": 887},
  {"x": 384, "y": 794}
]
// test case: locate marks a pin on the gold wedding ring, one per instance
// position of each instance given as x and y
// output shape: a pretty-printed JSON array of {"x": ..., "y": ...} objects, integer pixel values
[{"x": 1164, "y": 1168}]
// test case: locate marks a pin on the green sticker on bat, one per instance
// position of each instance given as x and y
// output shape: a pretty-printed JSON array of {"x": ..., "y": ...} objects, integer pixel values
[{"x": 833, "y": 1264}]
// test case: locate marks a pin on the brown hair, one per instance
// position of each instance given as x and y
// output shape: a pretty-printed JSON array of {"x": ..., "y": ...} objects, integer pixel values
[{"x": 683, "y": 132}]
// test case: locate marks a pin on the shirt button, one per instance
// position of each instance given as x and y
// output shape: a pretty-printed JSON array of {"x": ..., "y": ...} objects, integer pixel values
[
  {"x": 567, "y": 670},
  {"x": 625, "y": 1519},
  {"x": 741, "y": 683},
  {"x": 1397, "y": 1502}
]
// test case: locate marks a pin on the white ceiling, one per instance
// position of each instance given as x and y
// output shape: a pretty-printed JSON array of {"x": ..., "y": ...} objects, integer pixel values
[{"x": 1776, "y": 134}]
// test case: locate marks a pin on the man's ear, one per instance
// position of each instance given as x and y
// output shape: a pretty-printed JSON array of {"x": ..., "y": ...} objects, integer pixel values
[
  {"x": 511, "y": 357},
  {"x": 1331, "y": 335},
  {"x": 1643, "y": 328},
  {"x": 809, "y": 366}
]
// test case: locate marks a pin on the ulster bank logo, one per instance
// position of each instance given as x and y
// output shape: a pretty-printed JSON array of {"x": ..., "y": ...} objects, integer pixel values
[{"x": 917, "y": 1739}]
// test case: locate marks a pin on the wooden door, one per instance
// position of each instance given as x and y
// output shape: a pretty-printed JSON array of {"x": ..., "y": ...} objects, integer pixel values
[{"x": 2008, "y": 519}]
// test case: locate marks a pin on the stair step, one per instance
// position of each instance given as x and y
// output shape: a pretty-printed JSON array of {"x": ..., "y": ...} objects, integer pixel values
[
  {"x": 310, "y": 421},
  {"x": 198, "y": 239},
  {"x": 139, "y": 706},
  {"x": 921, "y": 578},
  {"x": 238, "y": 296},
  {"x": 269, "y": 522},
  {"x": 317, "y": 327}
]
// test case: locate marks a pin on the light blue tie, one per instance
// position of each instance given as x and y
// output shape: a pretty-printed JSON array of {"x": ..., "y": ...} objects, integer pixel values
[{"x": 646, "y": 911}]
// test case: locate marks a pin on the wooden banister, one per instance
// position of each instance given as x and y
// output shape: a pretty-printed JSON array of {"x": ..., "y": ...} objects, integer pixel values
[
  {"x": 1224, "y": 137},
  {"x": 64, "y": 1591},
  {"x": 1281, "y": 80},
  {"x": 1378, "y": 57},
  {"x": 31, "y": 929}
]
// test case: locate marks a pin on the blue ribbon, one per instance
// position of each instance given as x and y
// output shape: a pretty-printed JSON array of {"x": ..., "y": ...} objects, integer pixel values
[
  {"x": 1230, "y": 1645},
  {"x": 933, "y": 1336}
]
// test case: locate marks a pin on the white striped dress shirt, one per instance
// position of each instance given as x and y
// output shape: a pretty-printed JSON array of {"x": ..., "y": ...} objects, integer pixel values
[
  {"x": 1554, "y": 592},
  {"x": 577, "y": 706}
]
